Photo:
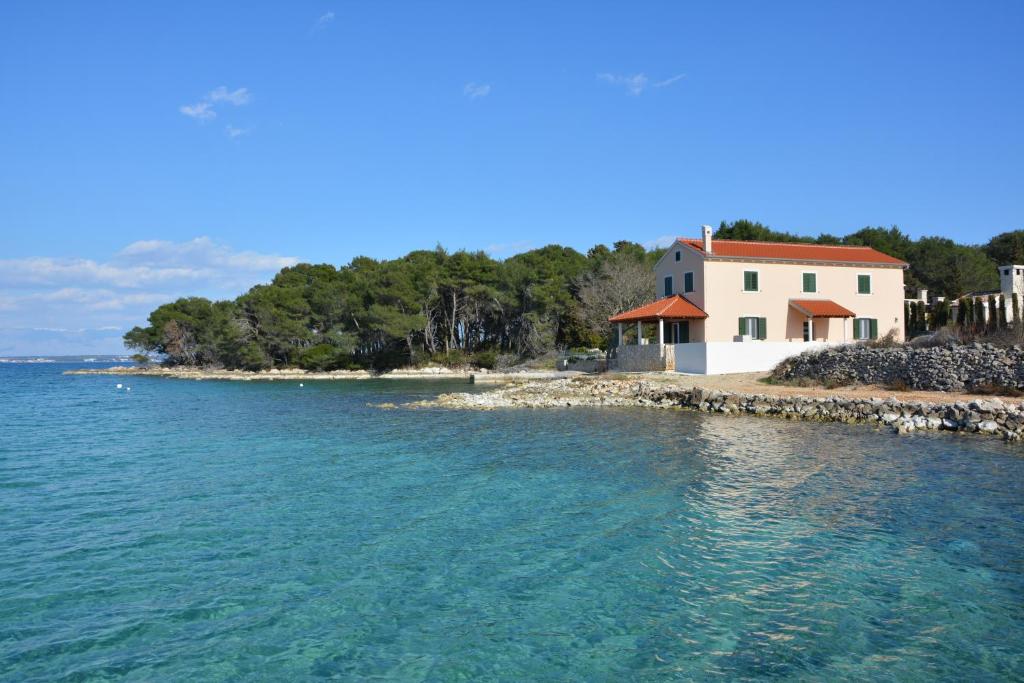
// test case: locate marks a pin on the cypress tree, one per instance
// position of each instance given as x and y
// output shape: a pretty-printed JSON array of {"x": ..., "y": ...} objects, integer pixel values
[
  {"x": 1016, "y": 308},
  {"x": 1002, "y": 312},
  {"x": 979, "y": 315}
]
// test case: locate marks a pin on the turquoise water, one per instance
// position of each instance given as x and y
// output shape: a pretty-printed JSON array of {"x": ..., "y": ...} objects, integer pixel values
[{"x": 263, "y": 531}]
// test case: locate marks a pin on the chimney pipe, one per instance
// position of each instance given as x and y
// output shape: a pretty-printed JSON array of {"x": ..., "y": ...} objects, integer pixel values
[{"x": 706, "y": 238}]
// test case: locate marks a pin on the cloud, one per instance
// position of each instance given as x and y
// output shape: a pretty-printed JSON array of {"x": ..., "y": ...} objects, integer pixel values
[
  {"x": 475, "y": 90},
  {"x": 509, "y": 248},
  {"x": 116, "y": 293},
  {"x": 203, "y": 109},
  {"x": 200, "y": 111},
  {"x": 325, "y": 19},
  {"x": 660, "y": 242},
  {"x": 669, "y": 81},
  {"x": 635, "y": 84},
  {"x": 233, "y": 132},
  {"x": 236, "y": 97}
]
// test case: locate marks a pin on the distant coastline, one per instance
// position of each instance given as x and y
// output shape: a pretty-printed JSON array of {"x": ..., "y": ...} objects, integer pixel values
[{"x": 196, "y": 373}]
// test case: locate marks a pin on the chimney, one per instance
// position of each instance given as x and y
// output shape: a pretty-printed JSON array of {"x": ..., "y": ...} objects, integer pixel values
[
  {"x": 706, "y": 238},
  {"x": 922, "y": 295}
]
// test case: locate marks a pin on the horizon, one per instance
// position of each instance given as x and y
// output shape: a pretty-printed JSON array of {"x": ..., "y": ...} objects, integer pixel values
[{"x": 158, "y": 152}]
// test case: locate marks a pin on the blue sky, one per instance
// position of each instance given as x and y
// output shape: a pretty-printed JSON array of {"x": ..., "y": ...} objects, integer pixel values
[{"x": 151, "y": 151}]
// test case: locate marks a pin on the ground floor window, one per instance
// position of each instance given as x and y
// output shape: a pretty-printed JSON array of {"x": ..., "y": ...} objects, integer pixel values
[
  {"x": 757, "y": 328},
  {"x": 865, "y": 328},
  {"x": 680, "y": 332}
]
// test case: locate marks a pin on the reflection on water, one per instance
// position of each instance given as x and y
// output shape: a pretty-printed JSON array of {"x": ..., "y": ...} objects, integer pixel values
[{"x": 232, "y": 530}]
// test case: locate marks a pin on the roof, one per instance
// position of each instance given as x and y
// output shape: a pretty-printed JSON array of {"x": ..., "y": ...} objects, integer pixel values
[
  {"x": 794, "y": 251},
  {"x": 821, "y": 308},
  {"x": 675, "y": 306}
]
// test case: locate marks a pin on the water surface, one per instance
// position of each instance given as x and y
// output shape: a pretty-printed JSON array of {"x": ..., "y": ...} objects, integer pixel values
[{"x": 263, "y": 531}]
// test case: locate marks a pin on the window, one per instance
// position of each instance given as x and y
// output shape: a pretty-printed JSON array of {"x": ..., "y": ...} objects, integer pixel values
[
  {"x": 865, "y": 328},
  {"x": 1006, "y": 272},
  {"x": 750, "y": 281},
  {"x": 687, "y": 282},
  {"x": 668, "y": 286},
  {"x": 755, "y": 327},
  {"x": 810, "y": 282},
  {"x": 681, "y": 332},
  {"x": 807, "y": 330},
  {"x": 863, "y": 284},
  {"x": 678, "y": 255}
]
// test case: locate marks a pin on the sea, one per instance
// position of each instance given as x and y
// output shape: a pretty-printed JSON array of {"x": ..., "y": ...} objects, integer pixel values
[{"x": 173, "y": 530}]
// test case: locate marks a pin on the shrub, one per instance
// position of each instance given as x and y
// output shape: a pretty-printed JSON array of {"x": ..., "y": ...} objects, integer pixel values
[
  {"x": 485, "y": 359},
  {"x": 323, "y": 357},
  {"x": 141, "y": 358}
]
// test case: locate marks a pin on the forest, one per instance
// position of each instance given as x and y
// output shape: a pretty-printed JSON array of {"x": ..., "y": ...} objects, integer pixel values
[{"x": 459, "y": 308}]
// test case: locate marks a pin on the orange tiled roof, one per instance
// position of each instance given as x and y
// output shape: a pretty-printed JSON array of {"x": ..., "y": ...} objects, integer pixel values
[
  {"x": 675, "y": 306},
  {"x": 794, "y": 251},
  {"x": 821, "y": 308}
]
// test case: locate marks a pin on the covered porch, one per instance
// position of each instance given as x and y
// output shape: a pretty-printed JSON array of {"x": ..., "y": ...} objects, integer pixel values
[
  {"x": 810, "y": 320},
  {"x": 670, "y": 317}
]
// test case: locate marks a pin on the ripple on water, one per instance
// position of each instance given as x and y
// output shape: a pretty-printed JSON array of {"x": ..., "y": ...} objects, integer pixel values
[{"x": 204, "y": 530}]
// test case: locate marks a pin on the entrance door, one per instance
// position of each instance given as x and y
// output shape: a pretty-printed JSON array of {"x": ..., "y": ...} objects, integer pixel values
[
  {"x": 807, "y": 330},
  {"x": 682, "y": 332}
]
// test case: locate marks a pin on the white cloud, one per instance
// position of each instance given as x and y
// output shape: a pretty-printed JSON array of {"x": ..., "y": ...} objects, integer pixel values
[
  {"x": 200, "y": 111},
  {"x": 118, "y": 292},
  {"x": 233, "y": 132},
  {"x": 203, "y": 109},
  {"x": 509, "y": 248},
  {"x": 669, "y": 81},
  {"x": 659, "y": 242},
  {"x": 236, "y": 97},
  {"x": 325, "y": 19},
  {"x": 635, "y": 84},
  {"x": 475, "y": 90}
]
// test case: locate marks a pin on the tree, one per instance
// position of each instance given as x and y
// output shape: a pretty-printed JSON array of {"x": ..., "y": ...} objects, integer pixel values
[
  {"x": 619, "y": 284},
  {"x": 1006, "y": 248}
]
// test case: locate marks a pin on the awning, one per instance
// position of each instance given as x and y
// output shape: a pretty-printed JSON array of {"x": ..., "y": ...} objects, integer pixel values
[
  {"x": 821, "y": 308},
  {"x": 675, "y": 307}
]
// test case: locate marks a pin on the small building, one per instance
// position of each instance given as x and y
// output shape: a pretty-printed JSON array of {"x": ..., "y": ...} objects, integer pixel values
[{"x": 737, "y": 306}]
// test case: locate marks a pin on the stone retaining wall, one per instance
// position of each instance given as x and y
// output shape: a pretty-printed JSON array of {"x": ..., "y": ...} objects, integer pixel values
[
  {"x": 644, "y": 358},
  {"x": 942, "y": 368}
]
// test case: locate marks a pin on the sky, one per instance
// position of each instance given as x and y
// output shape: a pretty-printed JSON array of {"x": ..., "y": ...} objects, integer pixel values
[{"x": 155, "y": 150}]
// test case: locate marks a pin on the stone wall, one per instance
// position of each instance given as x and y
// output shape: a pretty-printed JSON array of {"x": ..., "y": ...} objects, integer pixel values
[
  {"x": 953, "y": 367},
  {"x": 644, "y": 358}
]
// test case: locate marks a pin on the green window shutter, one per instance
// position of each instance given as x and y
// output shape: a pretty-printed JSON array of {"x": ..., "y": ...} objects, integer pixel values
[
  {"x": 749, "y": 281},
  {"x": 688, "y": 282},
  {"x": 863, "y": 284},
  {"x": 762, "y": 328},
  {"x": 743, "y": 326},
  {"x": 810, "y": 282},
  {"x": 874, "y": 328},
  {"x": 668, "y": 286}
]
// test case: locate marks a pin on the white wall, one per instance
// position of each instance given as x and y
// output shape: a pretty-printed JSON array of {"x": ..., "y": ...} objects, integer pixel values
[{"x": 717, "y": 358}]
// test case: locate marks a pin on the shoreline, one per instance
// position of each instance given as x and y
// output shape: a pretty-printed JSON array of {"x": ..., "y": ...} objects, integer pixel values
[
  {"x": 202, "y": 374},
  {"x": 988, "y": 416}
]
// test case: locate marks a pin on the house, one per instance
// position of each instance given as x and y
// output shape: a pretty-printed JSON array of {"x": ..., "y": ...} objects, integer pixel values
[
  {"x": 1009, "y": 296},
  {"x": 734, "y": 306}
]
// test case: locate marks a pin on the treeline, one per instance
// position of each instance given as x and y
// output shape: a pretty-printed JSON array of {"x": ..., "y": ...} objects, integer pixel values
[
  {"x": 428, "y": 305},
  {"x": 468, "y": 307}
]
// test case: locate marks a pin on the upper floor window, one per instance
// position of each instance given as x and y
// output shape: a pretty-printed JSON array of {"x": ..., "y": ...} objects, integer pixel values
[
  {"x": 1006, "y": 272},
  {"x": 810, "y": 282},
  {"x": 864, "y": 284},
  {"x": 678, "y": 255},
  {"x": 668, "y": 285},
  {"x": 687, "y": 282},
  {"x": 750, "y": 283}
]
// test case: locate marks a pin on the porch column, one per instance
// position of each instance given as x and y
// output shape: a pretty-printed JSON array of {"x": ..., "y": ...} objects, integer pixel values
[
  {"x": 620, "y": 335},
  {"x": 639, "y": 333},
  {"x": 661, "y": 331}
]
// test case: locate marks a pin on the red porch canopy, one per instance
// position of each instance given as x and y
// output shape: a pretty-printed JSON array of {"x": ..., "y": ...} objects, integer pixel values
[
  {"x": 674, "y": 307},
  {"x": 821, "y": 308}
]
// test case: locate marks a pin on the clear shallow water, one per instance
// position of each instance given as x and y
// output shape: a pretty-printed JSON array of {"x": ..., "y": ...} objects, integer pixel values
[{"x": 251, "y": 531}]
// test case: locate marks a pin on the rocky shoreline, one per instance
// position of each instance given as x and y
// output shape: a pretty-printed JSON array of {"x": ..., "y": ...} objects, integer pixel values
[
  {"x": 432, "y": 372},
  {"x": 989, "y": 417}
]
